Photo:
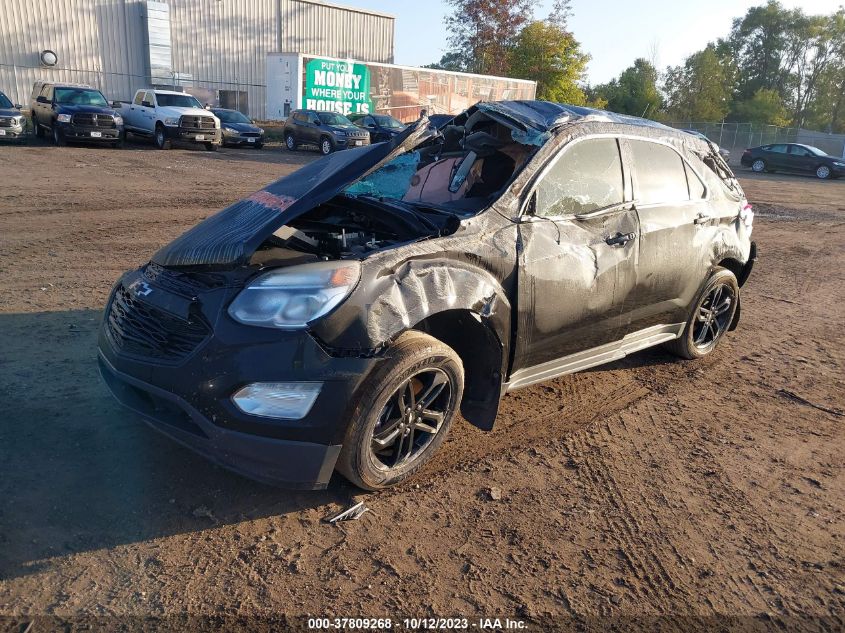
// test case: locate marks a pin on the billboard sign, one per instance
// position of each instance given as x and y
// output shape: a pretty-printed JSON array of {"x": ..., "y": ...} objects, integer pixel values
[{"x": 337, "y": 86}]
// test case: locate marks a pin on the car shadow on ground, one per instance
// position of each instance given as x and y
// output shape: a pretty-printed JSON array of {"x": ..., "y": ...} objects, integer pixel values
[{"x": 79, "y": 473}]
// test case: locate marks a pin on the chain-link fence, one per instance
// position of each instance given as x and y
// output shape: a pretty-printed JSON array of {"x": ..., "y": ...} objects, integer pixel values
[{"x": 736, "y": 137}]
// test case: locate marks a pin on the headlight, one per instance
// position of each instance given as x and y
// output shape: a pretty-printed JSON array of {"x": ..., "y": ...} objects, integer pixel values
[
  {"x": 18, "y": 120},
  {"x": 118, "y": 120},
  {"x": 63, "y": 118},
  {"x": 230, "y": 130},
  {"x": 838, "y": 164},
  {"x": 171, "y": 122},
  {"x": 288, "y": 298},
  {"x": 261, "y": 130},
  {"x": 340, "y": 133}
]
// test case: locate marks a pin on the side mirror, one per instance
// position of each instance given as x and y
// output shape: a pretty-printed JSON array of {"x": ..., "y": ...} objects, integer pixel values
[
  {"x": 42, "y": 99},
  {"x": 116, "y": 105},
  {"x": 18, "y": 106},
  {"x": 146, "y": 104},
  {"x": 372, "y": 126},
  {"x": 207, "y": 106}
]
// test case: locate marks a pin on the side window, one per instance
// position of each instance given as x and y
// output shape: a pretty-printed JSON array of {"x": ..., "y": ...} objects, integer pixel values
[
  {"x": 777, "y": 149},
  {"x": 368, "y": 120},
  {"x": 150, "y": 98},
  {"x": 587, "y": 176},
  {"x": 139, "y": 97},
  {"x": 660, "y": 174},
  {"x": 48, "y": 92}
]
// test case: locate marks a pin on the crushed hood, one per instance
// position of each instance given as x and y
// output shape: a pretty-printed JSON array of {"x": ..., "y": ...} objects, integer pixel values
[{"x": 231, "y": 236}]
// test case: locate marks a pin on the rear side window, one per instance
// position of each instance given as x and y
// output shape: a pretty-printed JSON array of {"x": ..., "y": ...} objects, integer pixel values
[
  {"x": 696, "y": 188},
  {"x": 586, "y": 177},
  {"x": 660, "y": 174},
  {"x": 777, "y": 149}
]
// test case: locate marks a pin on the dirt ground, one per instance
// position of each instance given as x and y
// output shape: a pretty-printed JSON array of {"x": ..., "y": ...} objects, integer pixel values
[{"x": 674, "y": 495}]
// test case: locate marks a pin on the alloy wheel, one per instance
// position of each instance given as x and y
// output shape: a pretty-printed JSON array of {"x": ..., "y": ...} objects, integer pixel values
[
  {"x": 712, "y": 319},
  {"x": 326, "y": 146},
  {"x": 823, "y": 172},
  {"x": 290, "y": 142},
  {"x": 758, "y": 165},
  {"x": 411, "y": 418}
]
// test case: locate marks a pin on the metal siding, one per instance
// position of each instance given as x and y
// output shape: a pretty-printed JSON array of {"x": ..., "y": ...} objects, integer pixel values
[
  {"x": 317, "y": 29},
  {"x": 223, "y": 44}
]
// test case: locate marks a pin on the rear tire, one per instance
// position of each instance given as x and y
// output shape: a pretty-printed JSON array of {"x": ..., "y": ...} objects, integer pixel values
[
  {"x": 290, "y": 142},
  {"x": 711, "y": 317},
  {"x": 421, "y": 372}
]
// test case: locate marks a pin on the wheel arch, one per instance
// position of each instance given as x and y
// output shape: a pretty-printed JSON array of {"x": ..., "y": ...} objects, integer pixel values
[{"x": 482, "y": 354}]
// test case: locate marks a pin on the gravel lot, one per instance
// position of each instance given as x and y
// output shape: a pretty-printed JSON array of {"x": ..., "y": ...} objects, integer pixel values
[{"x": 649, "y": 488}]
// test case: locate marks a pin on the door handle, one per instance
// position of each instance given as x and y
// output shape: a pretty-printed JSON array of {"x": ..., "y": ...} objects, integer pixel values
[
  {"x": 620, "y": 239},
  {"x": 702, "y": 218}
]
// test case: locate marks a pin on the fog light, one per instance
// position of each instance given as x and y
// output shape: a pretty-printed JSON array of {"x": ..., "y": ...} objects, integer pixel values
[{"x": 283, "y": 400}]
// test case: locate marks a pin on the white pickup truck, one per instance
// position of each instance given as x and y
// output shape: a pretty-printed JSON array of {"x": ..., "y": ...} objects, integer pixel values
[{"x": 168, "y": 116}]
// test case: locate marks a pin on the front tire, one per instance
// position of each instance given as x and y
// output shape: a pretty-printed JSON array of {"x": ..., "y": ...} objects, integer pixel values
[
  {"x": 161, "y": 140},
  {"x": 326, "y": 146},
  {"x": 711, "y": 317},
  {"x": 759, "y": 165},
  {"x": 39, "y": 131},
  {"x": 58, "y": 139},
  {"x": 211, "y": 147},
  {"x": 402, "y": 413},
  {"x": 823, "y": 172}
]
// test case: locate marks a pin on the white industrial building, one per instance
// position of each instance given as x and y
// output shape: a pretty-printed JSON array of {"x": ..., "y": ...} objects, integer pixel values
[{"x": 216, "y": 49}]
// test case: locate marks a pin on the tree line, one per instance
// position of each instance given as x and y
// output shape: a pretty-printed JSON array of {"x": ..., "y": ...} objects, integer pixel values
[{"x": 776, "y": 66}]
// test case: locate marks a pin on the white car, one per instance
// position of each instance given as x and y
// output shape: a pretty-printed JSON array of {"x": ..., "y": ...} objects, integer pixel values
[{"x": 165, "y": 116}]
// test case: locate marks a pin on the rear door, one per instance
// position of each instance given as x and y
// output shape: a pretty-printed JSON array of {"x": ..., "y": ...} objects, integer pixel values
[
  {"x": 578, "y": 254},
  {"x": 674, "y": 226}
]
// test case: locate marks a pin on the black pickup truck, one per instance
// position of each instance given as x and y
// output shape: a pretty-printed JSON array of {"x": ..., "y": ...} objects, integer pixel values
[{"x": 76, "y": 113}]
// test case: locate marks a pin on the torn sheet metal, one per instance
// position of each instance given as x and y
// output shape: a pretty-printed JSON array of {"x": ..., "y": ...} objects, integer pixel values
[{"x": 350, "y": 514}]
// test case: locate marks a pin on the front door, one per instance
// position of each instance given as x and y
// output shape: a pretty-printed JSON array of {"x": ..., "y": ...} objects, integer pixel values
[{"x": 578, "y": 246}]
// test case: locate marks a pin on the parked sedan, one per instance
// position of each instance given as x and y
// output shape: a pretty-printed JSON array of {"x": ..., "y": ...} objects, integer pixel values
[
  {"x": 380, "y": 126},
  {"x": 342, "y": 316},
  {"x": 12, "y": 122},
  {"x": 238, "y": 129},
  {"x": 793, "y": 157}
]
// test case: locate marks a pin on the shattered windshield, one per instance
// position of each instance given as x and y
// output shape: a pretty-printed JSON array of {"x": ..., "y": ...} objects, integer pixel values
[{"x": 463, "y": 166}]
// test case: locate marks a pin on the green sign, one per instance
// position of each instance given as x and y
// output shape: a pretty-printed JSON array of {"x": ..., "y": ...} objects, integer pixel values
[{"x": 337, "y": 86}]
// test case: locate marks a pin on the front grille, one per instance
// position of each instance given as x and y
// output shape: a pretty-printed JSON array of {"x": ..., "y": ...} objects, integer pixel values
[
  {"x": 250, "y": 134},
  {"x": 196, "y": 122},
  {"x": 90, "y": 119},
  {"x": 4, "y": 122},
  {"x": 139, "y": 329}
]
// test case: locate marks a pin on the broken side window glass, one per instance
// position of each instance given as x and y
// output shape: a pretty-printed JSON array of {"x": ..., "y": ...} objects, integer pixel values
[{"x": 588, "y": 176}]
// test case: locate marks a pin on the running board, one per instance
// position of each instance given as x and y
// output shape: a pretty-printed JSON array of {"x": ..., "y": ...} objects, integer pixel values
[{"x": 606, "y": 353}]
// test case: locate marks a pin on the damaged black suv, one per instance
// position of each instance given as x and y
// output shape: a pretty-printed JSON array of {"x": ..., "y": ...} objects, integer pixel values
[{"x": 341, "y": 317}]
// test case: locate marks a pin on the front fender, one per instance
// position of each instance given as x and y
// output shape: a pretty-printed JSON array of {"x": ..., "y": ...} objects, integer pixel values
[{"x": 393, "y": 299}]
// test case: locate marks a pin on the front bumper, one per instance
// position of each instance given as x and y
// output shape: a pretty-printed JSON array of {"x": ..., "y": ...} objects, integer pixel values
[
  {"x": 190, "y": 399},
  {"x": 345, "y": 142},
  {"x": 12, "y": 133},
  {"x": 72, "y": 132},
  {"x": 194, "y": 135},
  {"x": 237, "y": 139}
]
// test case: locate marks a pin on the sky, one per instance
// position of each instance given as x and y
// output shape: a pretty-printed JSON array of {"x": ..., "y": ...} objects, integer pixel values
[{"x": 613, "y": 32}]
